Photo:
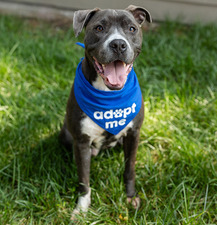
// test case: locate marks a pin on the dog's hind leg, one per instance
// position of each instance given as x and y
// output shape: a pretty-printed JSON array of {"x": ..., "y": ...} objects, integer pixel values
[{"x": 65, "y": 137}]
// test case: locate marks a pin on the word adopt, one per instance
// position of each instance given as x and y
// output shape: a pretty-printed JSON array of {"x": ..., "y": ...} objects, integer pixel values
[{"x": 119, "y": 114}]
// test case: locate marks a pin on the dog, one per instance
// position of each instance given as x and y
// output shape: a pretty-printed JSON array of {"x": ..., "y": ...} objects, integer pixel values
[{"x": 105, "y": 106}]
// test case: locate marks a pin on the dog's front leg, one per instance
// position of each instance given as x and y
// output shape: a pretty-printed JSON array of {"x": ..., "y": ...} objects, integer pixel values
[
  {"x": 130, "y": 149},
  {"x": 82, "y": 157}
]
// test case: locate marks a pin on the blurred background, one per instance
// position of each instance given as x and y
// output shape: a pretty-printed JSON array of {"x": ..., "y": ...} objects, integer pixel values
[
  {"x": 187, "y": 11},
  {"x": 177, "y": 159}
]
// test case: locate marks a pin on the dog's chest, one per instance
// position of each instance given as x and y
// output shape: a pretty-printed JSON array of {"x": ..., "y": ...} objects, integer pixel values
[{"x": 99, "y": 138}]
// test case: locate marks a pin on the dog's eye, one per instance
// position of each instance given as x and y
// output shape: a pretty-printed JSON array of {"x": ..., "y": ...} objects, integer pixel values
[
  {"x": 132, "y": 29},
  {"x": 99, "y": 28}
]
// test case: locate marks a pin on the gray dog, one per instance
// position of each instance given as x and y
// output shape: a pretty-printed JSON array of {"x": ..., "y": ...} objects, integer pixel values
[{"x": 105, "y": 106}]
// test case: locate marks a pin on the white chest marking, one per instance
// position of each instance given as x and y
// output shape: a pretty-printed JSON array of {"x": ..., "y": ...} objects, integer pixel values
[
  {"x": 95, "y": 132},
  {"x": 124, "y": 131}
]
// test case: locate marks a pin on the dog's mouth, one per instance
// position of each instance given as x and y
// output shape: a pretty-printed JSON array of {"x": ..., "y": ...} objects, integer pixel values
[{"x": 114, "y": 74}]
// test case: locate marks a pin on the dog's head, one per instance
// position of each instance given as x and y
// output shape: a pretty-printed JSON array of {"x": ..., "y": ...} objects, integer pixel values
[{"x": 113, "y": 40}]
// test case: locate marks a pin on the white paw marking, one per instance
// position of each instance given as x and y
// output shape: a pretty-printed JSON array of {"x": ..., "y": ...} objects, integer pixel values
[{"x": 82, "y": 205}]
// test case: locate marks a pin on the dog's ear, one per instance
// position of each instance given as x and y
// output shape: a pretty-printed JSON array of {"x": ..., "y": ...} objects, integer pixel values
[
  {"x": 81, "y": 18},
  {"x": 140, "y": 14}
]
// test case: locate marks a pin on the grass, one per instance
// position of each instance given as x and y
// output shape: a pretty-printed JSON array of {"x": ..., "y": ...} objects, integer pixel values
[{"x": 177, "y": 158}]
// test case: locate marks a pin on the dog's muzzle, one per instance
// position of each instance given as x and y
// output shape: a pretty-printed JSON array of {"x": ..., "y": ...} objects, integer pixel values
[{"x": 114, "y": 74}]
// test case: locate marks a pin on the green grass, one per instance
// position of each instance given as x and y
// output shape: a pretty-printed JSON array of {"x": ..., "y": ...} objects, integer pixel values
[{"x": 177, "y": 158}]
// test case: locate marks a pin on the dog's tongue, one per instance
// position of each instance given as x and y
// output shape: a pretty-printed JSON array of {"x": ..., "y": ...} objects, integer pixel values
[{"x": 116, "y": 73}]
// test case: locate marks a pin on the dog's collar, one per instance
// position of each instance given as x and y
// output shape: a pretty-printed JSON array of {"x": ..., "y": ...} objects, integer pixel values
[
  {"x": 111, "y": 110},
  {"x": 80, "y": 44}
]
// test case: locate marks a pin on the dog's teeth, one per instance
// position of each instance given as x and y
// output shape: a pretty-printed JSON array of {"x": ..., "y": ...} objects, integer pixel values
[{"x": 124, "y": 64}]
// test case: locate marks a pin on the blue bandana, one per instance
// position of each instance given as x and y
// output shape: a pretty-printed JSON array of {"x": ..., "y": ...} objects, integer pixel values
[{"x": 111, "y": 110}]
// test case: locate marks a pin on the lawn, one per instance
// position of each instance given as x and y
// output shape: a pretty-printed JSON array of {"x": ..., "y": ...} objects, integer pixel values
[{"x": 177, "y": 156}]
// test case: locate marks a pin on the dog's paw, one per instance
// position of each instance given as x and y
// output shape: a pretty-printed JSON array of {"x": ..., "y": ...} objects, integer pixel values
[
  {"x": 74, "y": 215},
  {"x": 134, "y": 201},
  {"x": 82, "y": 206}
]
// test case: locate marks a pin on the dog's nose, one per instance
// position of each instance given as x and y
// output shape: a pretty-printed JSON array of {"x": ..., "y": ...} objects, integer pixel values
[{"x": 118, "y": 45}]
